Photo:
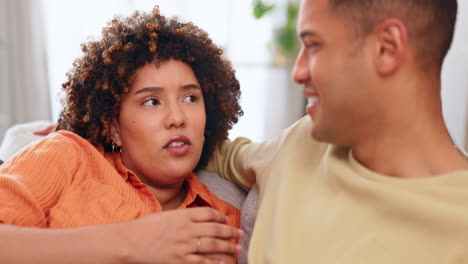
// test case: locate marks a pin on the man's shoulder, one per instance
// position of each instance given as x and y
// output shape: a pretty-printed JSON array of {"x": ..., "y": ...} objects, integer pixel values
[{"x": 299, "y": 136}]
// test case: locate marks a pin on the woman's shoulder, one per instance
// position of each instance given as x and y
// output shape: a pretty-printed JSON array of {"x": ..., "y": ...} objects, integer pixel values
[
  {"x": 64, "y": 136},
  {"x": 60, "y": 144},
  {"x": 64, "y": 139}
]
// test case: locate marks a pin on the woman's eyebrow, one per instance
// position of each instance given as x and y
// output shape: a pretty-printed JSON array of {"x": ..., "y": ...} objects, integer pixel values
[
  {"x": 191, "y": 86},
  {"x": 153, "y": 89},
  {"x": 149, "y": 89}
]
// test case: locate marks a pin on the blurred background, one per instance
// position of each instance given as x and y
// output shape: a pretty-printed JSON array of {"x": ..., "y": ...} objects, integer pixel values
[{"x": 39, "y": 40}]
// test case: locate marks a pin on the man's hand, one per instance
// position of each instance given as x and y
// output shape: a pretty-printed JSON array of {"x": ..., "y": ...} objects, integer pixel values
[
  {"x": 45, "y": 131},
  {"x": 196, "y": 235}
]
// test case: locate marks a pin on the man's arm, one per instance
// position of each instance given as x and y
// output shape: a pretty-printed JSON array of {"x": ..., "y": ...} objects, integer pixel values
[{"x": 243, "y": 161}]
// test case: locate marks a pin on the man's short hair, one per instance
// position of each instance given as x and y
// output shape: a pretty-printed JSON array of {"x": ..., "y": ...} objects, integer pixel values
[{"x": 430, "y": 23}]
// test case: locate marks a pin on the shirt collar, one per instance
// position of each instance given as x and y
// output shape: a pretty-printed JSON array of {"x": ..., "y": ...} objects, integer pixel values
[
  {"x": 116, "y": 160},
  {"x": 197, "y": 193}
]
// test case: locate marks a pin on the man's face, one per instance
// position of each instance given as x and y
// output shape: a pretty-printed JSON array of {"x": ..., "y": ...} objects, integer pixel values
[{"x": 335, "y": 70}]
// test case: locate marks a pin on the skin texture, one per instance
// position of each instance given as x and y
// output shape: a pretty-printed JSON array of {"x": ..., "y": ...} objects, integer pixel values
[{"x": 164, "y": 102}]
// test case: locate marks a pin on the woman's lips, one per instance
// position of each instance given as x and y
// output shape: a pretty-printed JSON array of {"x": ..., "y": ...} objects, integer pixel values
[{"x": 178, "y": 146}]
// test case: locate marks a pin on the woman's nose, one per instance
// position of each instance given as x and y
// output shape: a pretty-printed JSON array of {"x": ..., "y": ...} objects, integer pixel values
[{"x": 176, "y": 117}]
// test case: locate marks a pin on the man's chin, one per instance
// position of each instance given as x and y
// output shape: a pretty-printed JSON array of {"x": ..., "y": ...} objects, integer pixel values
[
  {"x": 320, "y": 134},
  {"x": 328, "y": 138},
  {"x": 315, "y": 132}
]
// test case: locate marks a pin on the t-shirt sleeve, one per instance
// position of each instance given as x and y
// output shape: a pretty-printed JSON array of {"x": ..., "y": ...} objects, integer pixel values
[
  {"x": 243, "y": 161},
  {"x": 34, "y": 179}
]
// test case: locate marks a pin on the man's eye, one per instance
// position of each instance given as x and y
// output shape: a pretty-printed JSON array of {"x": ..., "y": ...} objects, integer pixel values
[
  {"x": 190, "y": 98},
  {"x": 152, "y": 101},
  {"x": 311, "y": 45}
]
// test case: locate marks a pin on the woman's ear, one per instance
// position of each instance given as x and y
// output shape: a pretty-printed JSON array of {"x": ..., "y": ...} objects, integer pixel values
[
  {"x": 391, "y": 46},
  {"x": 115, "y": 132}
]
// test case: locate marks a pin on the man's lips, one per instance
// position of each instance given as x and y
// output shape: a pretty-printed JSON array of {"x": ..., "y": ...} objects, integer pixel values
[
  {"x": 309, "y": 92},
  {"x": 312, "y": 99}
]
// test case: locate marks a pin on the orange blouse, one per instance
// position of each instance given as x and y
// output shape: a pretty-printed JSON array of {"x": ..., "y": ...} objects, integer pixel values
[{"x": 64, "y": 181}]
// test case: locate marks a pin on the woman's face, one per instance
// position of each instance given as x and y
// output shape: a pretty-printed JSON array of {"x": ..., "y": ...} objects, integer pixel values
[{"x": 161, "y": 123}]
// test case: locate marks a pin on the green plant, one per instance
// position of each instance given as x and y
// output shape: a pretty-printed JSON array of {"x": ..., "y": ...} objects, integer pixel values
[
  {"x": 260, "y": 8},
  {"x": 286, "y": 36}
]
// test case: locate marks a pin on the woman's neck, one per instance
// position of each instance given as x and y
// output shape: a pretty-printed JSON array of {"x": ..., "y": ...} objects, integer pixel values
[{"x": 169, "y": 197}]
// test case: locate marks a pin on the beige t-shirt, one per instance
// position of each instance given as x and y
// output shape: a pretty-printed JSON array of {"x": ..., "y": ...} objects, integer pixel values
[{"x": 317, "y": 204}]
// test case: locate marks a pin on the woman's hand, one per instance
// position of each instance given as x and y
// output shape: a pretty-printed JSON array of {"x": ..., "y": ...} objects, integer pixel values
[
  {"x": 223, "y": 258},
  {"x": 196, "y": 235}
]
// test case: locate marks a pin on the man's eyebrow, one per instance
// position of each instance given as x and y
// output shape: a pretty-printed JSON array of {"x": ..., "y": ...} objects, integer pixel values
[
  {"x": 304, "y": 34},
  {"x": 149, "y": 89}
]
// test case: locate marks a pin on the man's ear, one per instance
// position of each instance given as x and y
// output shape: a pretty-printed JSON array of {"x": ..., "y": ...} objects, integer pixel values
[
  {"x": 115, "y": 132},
  {"x": 391, "y": 46}
]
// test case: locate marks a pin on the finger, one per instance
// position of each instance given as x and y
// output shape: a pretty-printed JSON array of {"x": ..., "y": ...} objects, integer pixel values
[
  {"x": 208, "y": 245},
  {"x": 216, "y": 230},
  {"x": 226, "y": 258},
  {"x": 45, "y": 131},
  {"x": 206, "y": 214},
  {"x": 200, "y": 259}
]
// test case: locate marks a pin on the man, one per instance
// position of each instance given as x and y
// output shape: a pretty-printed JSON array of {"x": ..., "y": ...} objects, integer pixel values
[{"x": 371, "y": 176}]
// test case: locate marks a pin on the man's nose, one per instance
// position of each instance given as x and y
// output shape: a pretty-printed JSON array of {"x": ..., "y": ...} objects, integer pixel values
[{"x": 300, "y": 71}]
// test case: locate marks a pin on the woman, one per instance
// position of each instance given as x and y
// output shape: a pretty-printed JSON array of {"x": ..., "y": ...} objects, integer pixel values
[{"x": 145, "y": 107}]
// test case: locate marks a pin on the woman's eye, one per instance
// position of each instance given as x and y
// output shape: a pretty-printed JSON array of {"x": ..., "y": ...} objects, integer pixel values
[
  {"x": 152, "y": 101},
  {"x": 190, "y": 99}
]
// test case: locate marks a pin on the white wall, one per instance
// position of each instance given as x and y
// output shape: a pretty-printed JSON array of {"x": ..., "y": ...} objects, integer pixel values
[{"x": 455, "y": 79}]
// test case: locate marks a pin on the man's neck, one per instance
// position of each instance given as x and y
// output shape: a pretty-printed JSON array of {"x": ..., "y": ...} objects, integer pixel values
[
  {"x": 400, "y": 157},
  {"x": 410, "y": 141}
]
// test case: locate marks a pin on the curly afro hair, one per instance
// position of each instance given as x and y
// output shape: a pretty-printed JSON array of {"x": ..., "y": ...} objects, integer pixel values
[{"x": 104, "y": 73}]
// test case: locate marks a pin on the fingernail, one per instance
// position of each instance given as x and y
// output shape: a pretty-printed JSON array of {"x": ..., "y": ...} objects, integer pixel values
[
  {"x": 238, "y": 248},
  {"x": 241, "y": 233},
  {"x": 227, "y": 219}
]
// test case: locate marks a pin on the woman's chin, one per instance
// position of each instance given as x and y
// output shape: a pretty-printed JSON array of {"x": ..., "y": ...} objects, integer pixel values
[
  {"x": 172, "y": 177},
  {"x": 170, "y": 174}
]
